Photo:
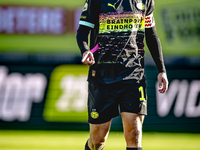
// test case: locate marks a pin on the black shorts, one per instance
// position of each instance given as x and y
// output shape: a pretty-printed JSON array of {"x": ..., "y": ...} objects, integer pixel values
[{"x": 105, "y": 101}]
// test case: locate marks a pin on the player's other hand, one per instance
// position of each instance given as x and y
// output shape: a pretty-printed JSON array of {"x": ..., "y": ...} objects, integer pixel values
[
  {"x": 88, "y": 58},
  {"x": 163, "y": 82}
]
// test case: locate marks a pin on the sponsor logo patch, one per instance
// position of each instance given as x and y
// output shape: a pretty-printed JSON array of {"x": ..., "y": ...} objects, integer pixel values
[
  {"x": 94, "y": 114},
  {"x": 109, "y": 4}
]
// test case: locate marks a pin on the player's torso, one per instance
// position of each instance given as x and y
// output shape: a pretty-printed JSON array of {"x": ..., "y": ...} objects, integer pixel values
[
  {"x": 120, "y": 35},
  {"x": 121, "y": 31}
]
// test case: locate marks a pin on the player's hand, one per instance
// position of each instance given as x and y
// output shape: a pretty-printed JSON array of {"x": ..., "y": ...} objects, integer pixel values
[
  {"x": 163, "y": 82},
  {"x": 88, "y": 58}
]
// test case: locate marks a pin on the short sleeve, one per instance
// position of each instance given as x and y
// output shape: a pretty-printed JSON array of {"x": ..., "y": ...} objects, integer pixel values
[
  {"x": 149, "y": 19},
  {"x": 90, "y": 13}
]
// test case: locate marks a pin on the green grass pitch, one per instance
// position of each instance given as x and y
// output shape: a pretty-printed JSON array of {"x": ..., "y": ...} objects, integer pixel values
[{"x": 70, "y": 140}]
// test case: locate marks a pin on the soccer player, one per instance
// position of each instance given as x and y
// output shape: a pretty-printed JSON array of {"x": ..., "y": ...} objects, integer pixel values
[{"x": 117, "y": 29}]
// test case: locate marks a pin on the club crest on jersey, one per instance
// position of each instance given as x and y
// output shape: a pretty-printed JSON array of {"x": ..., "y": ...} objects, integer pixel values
[
  {"x": 85, "y": 7},
  {"x": 140, "y": 6}
]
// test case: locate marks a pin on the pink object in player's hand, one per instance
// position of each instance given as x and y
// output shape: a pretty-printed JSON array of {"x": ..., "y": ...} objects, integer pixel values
[{"x": 94, "y": 49}]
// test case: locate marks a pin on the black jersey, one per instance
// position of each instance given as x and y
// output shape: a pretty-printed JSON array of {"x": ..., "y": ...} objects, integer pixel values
[{"x": 116, "y": 38}]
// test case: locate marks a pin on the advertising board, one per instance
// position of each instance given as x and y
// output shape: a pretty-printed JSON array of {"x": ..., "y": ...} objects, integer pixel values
[
  {"x": 41, "y": 27},
  {"x": 66, "y": 99},
  {"x": 54, "y": 96},
  {"x": 177, "y": 24}
]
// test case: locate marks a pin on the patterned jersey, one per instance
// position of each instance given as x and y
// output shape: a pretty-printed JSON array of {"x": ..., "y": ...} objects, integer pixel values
[{"x": 117, "y": 38}]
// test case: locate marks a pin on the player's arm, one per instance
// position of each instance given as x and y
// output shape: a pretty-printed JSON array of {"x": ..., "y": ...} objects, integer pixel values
[
  {"x": 89, "y": 19},
  {"x": 154, "y": 45},
  {"x": 82, "y": 40}
]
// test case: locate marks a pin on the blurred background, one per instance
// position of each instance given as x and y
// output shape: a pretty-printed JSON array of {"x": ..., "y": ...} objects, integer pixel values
[{"x": 43, "y": 88}]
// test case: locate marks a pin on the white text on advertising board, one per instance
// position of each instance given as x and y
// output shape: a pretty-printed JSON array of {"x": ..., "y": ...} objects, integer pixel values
[
  {"x": 32, "y": 20},
  {"x": 185, "y": 96},
  {"x": 18, "y": 92},
  {"x": 74, "y": 95}
]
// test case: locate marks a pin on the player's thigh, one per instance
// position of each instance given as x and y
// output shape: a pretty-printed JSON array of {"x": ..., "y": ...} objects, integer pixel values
[
  {"x": 102, "y": 103},
  {"x": 134, "y": 99},
  {"x": 132, "y": 122},
  {"x": 99, "y": 132}
]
